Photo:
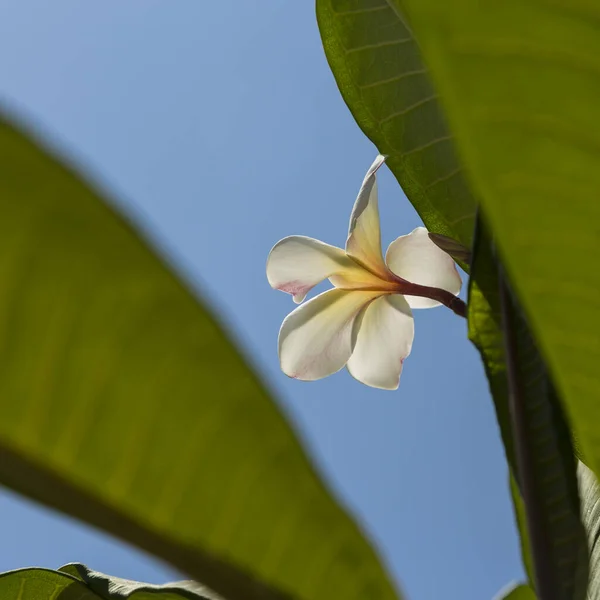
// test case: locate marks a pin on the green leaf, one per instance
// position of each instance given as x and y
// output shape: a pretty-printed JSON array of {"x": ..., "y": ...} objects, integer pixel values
[
  {"x": 484, "y": 326},
  {"x": 126, "y": 405},
  {"x": 545, "y": 436},
  {"x": 519, "y": 84},
  {"x": 115, "y": 588},
  {"x": 521, "y": 522},
  {"x": 42, "y": 584},
  {"x": 520, "y": 592},
  {"x": 379, "y": 71},
  {"x": 383, "y": 80},
  {"x": 77, "y": 582}
]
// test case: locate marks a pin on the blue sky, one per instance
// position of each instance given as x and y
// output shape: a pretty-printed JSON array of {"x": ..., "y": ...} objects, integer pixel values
[{"x": 220, "y": 129}]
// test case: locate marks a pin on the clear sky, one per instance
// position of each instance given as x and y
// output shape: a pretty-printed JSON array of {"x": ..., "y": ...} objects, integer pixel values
[{"x": 219, "y": 126}]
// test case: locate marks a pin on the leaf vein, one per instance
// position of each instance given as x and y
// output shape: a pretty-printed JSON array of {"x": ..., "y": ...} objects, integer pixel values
[
  {"x": 405, "y": 75},
  {"x": 408, "y": 109},
  {"x": 378, "y": 45},
  {"x": 426, "y": 145},
  {"x": 359, "y": 11}
]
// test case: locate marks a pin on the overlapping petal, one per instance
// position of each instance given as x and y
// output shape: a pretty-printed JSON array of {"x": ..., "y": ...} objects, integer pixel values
[
  {"x": 316, "y": 339},
  {"x": 364, "y": 235},
  {"x": 384, "y": 334},
  {"x": 297, "y": 263},
  {"x": 417, "y": 259}
]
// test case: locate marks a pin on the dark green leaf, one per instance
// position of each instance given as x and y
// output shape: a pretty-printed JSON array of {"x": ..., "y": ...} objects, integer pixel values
[
  {"x": 546, "y": 438},
  {"x": 125, "y": 404},
  {"x": 519, "y": 508},
  {"x": 484, "y": 322},
  {"x": 484, "y": 331},
  {"x": 378, "y": 68}
]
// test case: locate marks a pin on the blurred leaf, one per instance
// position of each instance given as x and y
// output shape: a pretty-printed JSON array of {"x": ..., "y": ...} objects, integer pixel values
[
  {"x": 126, "y": 405},
  {"x": 83, "y": 584},
  {"x": 547, "y": 438},
  {"x": 519, "y": 84},
  {"x": 378, "y": 69},
  {"x": 520, "y": 592}
]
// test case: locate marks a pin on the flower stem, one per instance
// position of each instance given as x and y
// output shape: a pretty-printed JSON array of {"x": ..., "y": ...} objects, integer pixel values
[{"x": 448, "y": 299}]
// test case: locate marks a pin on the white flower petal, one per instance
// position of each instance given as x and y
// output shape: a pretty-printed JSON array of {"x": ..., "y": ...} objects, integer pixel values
[
  {"x": 316, "y": 339},
  {"x": 417, "y": 259},
  {"x": 384, "y": 336},
  {"x": 297, "y": 263},
  {"x": 364, "y": 236}
]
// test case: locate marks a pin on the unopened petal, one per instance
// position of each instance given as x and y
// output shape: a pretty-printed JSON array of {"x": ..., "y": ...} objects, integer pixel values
[
  {"x": 384, "y": 337},
  {"x": 316, "y": 339},
  {"x": 364, "y": 236},
  {"x": 297, "y": 263},
  {"x": 417, "y": 259}
]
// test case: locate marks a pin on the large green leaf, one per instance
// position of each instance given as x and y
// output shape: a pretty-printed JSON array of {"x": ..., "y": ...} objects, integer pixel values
[
  {"x": 125, "y": 404},
  {"x": 77, "y": 582},
  {"x": 378, "y": 68},
  {"x": 381, "y": 76},
  {"x": 544, "y": 441},
  {"x": 519, "y": 82}
]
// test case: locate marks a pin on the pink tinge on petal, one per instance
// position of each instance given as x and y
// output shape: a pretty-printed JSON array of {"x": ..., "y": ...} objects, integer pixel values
[
  {"x": 292, "y": 287},
  {"x": 296, "y": 264},
  {"x": 297, "y": 289}
]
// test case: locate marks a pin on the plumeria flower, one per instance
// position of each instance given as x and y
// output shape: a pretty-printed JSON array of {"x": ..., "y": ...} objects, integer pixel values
[{"x": 365, "y": 322}]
